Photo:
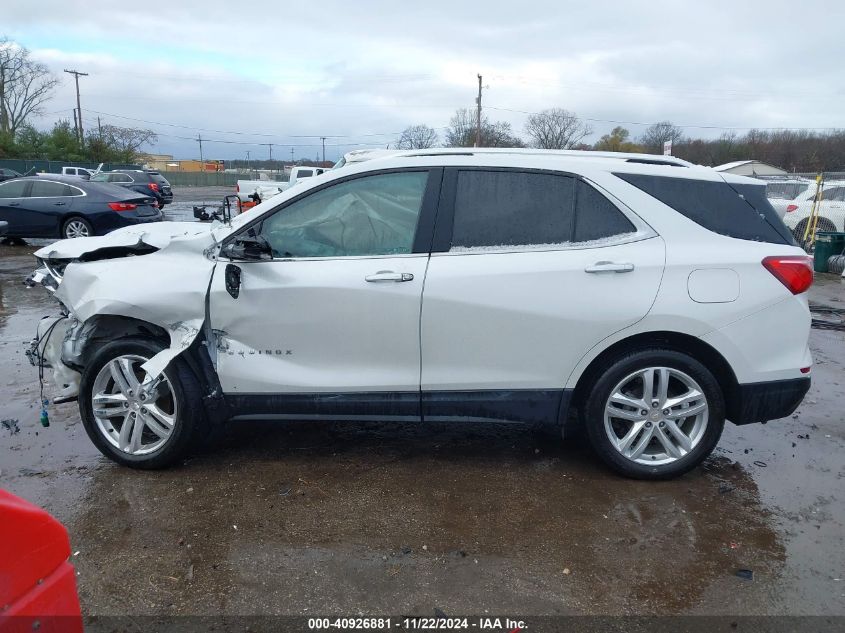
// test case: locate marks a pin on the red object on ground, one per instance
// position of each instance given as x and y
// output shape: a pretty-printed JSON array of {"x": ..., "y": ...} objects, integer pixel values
[{"x": 37, "y": 583}]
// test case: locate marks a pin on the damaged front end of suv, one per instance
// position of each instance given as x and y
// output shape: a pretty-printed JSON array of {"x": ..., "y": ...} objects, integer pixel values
[{"x": 146, "y": 283}]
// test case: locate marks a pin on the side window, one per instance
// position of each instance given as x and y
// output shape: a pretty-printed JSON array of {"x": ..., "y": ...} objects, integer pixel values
[
  {"x": 735, "y": 210},
  {"x": 834, "y": 194},
  {"x": 596, "y": 217},
  {"x": 48, "y": 189},
  {"x": 507, "y": 208},
  {"x": 13, "y": 189},
  {"x": 74, "y": 191},
  {"x": 119, "y": 178},
  {"x": 304, "y": 173},
  {"x": 373, "y": 215}
]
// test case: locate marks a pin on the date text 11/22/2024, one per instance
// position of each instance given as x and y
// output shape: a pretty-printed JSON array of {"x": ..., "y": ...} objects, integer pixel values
[{"x": 510, "y": 625}]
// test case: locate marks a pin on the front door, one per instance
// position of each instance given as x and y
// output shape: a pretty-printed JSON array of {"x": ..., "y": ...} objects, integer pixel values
[
  {"x": 330, "y": 324},
  {"x": 11, "y": 199}
]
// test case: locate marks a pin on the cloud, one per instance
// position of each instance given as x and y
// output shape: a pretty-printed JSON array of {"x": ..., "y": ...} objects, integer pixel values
[{"x": 361, "y": 73}]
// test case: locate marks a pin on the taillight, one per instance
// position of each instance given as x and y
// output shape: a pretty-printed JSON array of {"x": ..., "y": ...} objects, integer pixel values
[
  {"x": 153, "y": 186},
  {"x": 792, "y": 207},
  {"x": 793, "y": 271},
  {"x": 122, "y": 206}
]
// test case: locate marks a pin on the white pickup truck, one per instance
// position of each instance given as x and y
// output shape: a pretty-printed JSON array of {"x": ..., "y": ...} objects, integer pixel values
[{"x": 247, "y": 190}]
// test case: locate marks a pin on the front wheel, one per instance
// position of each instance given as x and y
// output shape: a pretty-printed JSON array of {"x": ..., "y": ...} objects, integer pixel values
[
  {"x": 655, "y": 414},
  {"x": 133, "y": 419}
]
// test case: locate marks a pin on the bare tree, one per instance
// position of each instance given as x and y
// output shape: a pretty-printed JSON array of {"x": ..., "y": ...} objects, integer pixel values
[
  {"x": 124, "y": 142},
  {"x": 556, "y": 129},
  {"x": 25, "y": 85},
  {"x": 462, "y": 127},
  {"x": 657, "y": 134},
  {"x": 417, "y": 137}
]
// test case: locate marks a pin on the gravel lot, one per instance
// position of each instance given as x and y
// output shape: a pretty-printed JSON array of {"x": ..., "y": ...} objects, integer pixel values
[{"x": 374, "y": 518}]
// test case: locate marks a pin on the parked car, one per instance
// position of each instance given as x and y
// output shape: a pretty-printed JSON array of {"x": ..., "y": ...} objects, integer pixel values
[
  {"x": 66, "y": 206},
  {"x": 830, "y": 209},
  {"x": 8, "y": 174},
  {"x": 145, "y": 181},
  {"x": 79, "y": 172},
  {"x": 254, "y": 191},
  {"x": 650, "y": 298},
  {"x": 787, "y": 189}
]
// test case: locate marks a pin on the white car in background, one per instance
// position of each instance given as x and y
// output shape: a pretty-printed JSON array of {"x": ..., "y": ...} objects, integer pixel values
[
  {"x": 249, "y": 190},
  {"x": 831, "y": 209},
  {"x": 642, "y": 297}
]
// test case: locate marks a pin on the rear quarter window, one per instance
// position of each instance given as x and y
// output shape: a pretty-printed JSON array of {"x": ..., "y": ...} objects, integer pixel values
[{"x": 739, "y": 211}]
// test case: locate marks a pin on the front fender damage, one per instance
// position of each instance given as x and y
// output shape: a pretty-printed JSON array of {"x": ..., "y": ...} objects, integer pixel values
[{"x": 164, "y": 290}]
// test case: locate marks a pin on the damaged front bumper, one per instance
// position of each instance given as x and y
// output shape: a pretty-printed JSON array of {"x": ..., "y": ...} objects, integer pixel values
[
  {"x": 106, "y": 290},
  {"x": 46, "y": 350}
]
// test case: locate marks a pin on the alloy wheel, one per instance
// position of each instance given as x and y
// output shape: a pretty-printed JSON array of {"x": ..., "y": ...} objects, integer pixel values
[
  {"x": 656, "y": 416},
  {"x": 134, "y": 413},
  {"x": 76, "y": 228}
]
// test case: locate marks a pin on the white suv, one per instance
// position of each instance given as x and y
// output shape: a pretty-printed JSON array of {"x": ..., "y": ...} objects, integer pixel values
[{"x": 642, "y": 297}]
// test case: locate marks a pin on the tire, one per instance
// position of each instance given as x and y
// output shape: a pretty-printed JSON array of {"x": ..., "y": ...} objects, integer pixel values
[
  {"x": 179, "y": 398},
  {"x": 77, "y": 227},
  {"x": 798, "y": 232},
  {"x": 624, "y": 376}
]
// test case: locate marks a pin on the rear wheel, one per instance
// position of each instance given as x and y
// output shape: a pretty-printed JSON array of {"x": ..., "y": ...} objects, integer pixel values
[
  {"x": 77, "y": 227},
  {"x": 133, "y": 419},
  {"x": 654, "y": 414},
  {"x": 798, "y": 232}
]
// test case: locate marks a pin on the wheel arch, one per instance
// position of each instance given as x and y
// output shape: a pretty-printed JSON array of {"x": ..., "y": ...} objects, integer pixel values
[
  {"x": 103, "y": 328},
  {"x": 675, "y": 341}
]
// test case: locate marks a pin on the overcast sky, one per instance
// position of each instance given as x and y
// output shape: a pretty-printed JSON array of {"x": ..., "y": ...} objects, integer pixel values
[{"x": 267, "y": 72}]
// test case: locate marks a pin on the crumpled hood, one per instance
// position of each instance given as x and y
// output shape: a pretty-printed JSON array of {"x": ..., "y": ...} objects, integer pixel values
[{"x": 157, "y": 235}]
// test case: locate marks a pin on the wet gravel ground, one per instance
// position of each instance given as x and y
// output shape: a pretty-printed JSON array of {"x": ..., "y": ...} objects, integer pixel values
[{"x": 349, "y": 518}]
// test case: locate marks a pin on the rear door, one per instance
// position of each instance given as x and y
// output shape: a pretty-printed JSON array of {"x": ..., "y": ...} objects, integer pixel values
[
  {"x": 534, "y": 269},
  {"x": 46, "y": 203}
]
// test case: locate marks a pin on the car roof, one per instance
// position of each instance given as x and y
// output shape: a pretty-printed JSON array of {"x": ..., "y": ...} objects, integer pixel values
[{"x": 573, "y": 161}]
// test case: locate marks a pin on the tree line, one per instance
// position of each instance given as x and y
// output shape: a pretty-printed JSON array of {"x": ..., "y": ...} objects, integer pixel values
[{"x": 557, "y": 128}]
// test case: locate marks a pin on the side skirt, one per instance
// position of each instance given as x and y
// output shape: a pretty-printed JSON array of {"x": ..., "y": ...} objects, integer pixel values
[{"x": 543, "y": 407}]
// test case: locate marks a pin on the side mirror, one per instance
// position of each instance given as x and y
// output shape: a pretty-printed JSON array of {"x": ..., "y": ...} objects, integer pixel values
[{"x": 248, "y": 247}]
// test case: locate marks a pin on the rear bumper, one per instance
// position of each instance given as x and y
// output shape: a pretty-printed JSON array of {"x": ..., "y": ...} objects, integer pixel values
[{"x": 763, "y": 401}]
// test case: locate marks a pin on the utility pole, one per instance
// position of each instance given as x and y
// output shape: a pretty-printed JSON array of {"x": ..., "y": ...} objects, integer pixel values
[
  {"x": 291, "y": 159},
  {"x": 75, "y": 125},
  {"x": 247, "y": 161},
  {"x": 478, "y": 116},
  {"x": 76, "y": 74},
  {"x": 99, "y": 129},
  {"x": 271, "y": 157},
  {"x": 323, "y": 138},
  {"x": 202, "y": 164}
]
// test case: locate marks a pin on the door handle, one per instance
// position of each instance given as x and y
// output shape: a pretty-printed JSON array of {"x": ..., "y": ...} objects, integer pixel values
[
  {"x": 59, "y": 204},
  {"x": 609, "y": 267},
  {"x": 389, "y": 275},
  {"x": 14, "y": 204}
]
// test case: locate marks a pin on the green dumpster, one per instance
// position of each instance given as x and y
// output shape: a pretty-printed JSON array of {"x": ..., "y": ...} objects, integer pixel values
[{"x": 828, "y": 243}]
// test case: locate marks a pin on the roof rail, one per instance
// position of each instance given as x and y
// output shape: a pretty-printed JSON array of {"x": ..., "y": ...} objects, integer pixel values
[{"x": 647, "y": 159}]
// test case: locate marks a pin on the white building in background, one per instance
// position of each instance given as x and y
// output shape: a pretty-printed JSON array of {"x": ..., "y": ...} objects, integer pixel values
[{"x": 751, "y": 168}]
